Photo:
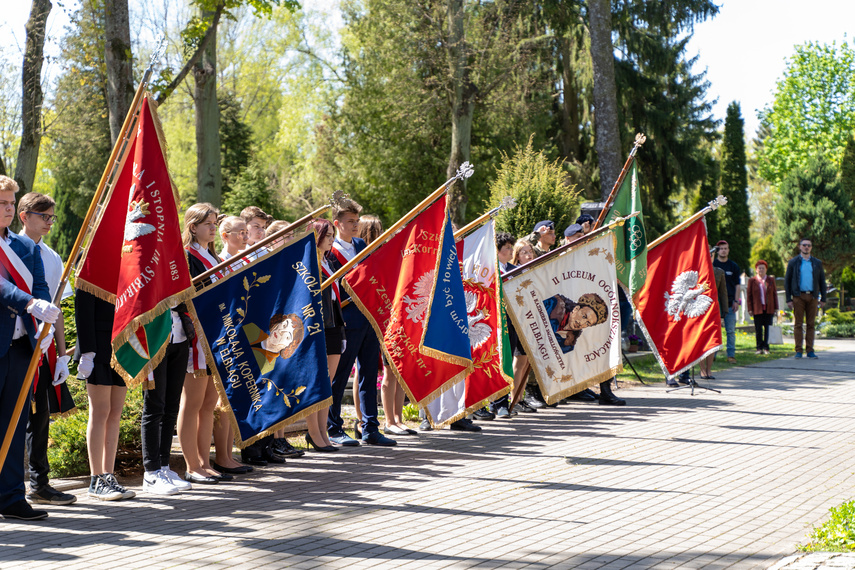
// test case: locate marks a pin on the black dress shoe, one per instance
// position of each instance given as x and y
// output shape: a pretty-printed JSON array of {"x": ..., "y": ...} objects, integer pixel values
[
  {"x": 200, "y": 479},
  {"x": 259, "y": 461},
  {"x": 242, "y": 470},
  {"x": 484, "y": 415},
  {"x": 281, "y": 447},
  {"x": 274, "y": 458},
  {"x": 610, "y": 399},
  {"x": 523, "y": 407},
  {"x": 21, "y": 510},
  {"x": 464, "y": 425},
  {"x": 586, "y": 395}
]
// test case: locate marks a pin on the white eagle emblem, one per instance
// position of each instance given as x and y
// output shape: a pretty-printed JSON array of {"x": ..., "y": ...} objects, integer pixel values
[
  {"x": 417, "y": 305},
  {"x": 687, "y": 297},
  {"x": 479, "y": 332},
  {"x": 134, "y": 229}
]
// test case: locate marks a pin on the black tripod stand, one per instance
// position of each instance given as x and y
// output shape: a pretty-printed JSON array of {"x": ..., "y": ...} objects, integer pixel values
[{"x": 692, "y": 384}]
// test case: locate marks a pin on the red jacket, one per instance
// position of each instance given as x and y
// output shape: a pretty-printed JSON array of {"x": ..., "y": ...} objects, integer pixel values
[{"x": 754, "y": 306}]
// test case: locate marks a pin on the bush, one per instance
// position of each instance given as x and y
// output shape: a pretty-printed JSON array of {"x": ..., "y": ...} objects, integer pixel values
[
  {"x": 765, "y": 250},
  {"x": 541, "y": 190},
  {"x": 835, "y": 317},
  {"x": 837, "y": 534},
  {"x": 846, "y": 330}
]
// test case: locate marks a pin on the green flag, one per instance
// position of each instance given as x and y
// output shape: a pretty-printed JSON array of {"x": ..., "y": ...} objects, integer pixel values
[{"x": 631, "y": 250}]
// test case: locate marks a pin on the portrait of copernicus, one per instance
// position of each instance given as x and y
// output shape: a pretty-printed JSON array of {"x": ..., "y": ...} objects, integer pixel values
[{"x": 568, "y": 318}]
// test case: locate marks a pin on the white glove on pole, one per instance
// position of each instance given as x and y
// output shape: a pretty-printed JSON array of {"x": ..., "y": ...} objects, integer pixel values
[
  {"x": 45, "y": 344},
  {"x": 87, "y": 363},
  {"x": 61, "y": 370},
  {"x": 44, "y": 311}
]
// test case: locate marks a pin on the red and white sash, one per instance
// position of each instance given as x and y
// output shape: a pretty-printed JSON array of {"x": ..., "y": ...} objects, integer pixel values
[
  {"x": 327, "y": 273},
  {"x": 197, "y": 355}
]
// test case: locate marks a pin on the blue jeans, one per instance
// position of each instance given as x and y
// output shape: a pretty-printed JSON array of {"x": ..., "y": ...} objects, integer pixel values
[{"x": 730, "y": 329}]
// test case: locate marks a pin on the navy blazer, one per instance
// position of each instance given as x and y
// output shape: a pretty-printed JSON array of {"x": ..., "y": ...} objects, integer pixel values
[
  {"x": 353, "y": 317},
  {"x": 14, "y": 300}
]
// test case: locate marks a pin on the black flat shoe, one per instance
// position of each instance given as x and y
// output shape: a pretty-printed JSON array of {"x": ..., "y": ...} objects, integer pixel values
[
  {"x": 202, "y": 480},
  {"x": 242, "y": 470},
  {"x": 21, "y": 510}
]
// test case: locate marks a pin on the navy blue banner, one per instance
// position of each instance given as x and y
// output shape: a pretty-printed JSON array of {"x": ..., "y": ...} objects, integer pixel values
[{"x": 264, "y": 331}]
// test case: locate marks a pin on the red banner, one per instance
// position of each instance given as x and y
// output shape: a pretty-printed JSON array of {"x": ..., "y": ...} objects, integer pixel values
[
  {"x": 678, "y": 305},
  {"x": 135, "y": 258},
  {"x": 394, "y": 288}
]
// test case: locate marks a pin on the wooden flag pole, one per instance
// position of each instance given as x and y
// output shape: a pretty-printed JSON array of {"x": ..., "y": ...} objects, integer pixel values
[
  {"x": 115, "y": 158},
  {"x": 639, "y": 140},
  {"x": 713, "y": 205},
  {"x": 465, "y": 171},
  {"x": 507, "y": 203}
]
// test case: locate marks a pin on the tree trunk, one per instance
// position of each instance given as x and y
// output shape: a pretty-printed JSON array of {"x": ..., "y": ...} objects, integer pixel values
[
  {"x": 570, "y": 109},
  {"x": 32, "y": 96},
  {"x": 120, "y": 79},
  {"x": 607, "y": 134},
  {"x": 209, "y": 177},
  {"x": 462, "y": 106}
]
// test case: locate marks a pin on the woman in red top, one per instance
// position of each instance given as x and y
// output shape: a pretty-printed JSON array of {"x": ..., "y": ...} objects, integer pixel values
[{"x": 762, "y": 304}]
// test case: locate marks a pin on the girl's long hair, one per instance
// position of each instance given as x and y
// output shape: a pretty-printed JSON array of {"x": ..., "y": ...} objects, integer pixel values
[{"x": 195, "y": 215}]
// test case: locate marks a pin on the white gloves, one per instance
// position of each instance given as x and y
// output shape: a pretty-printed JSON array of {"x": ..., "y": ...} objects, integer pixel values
[
  {"x": 61, "y": 370},
  {"x": 45, "y": 344},
  {"x": 44, "y": 311},
  {"x": 87, "y": 363}
]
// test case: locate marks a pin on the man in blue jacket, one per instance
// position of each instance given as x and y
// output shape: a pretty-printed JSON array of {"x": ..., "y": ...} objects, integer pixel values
[
  {"x": 804, "y": 285},
  {"x": 24, "y": 297}
]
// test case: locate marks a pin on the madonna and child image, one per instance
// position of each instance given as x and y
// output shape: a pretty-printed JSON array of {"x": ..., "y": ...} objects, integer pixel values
[{"x": 567, "y": 318}]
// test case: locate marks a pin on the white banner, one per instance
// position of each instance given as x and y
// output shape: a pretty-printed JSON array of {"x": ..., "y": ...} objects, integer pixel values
[{"x": 566, "y": 313}]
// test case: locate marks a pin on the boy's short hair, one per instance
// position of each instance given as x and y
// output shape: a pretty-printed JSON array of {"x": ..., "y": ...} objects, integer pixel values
[
  {"x": 7, "y": 184},
  {"x": 346, "y": 206},
  {"x": 503, "y": 239},
  {"x": 35, "y": 202},
  {"x": 250, "y": 212}
]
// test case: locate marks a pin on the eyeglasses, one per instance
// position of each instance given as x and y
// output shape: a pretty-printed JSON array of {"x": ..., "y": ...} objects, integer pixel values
[
  {"x": 807, "y": 245},
  {"x": 48, "y": 218},
  {"x": 239, "y": 232}
]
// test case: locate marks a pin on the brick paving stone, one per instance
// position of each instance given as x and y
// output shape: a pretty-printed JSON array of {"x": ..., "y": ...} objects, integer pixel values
[{"x": 671, "y": 480}]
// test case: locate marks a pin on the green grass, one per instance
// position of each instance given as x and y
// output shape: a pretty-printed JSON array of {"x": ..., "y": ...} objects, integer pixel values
[
  {"x": 650, "y": 371},
  {"x": 837, "y": 534}
]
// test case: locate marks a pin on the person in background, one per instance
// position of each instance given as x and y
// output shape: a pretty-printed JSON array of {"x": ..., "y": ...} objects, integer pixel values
[
  {"x": 731, "y": 277},
  {"x": 805, "y": 289},
  {"x": 544, "y": 233},
  {"x": 523, "y": 253},
  {"x": 762, "y": 304},
  {"x": 36, "y": 212}
]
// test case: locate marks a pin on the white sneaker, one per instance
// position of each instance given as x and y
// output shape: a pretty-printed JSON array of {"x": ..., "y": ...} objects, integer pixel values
[
  {"x": 176, "y": 479},
  {"x": 158, "y": 483}
]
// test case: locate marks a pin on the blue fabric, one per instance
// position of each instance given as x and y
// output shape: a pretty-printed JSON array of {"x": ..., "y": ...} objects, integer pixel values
[
  {"x": 266, "y": 387},
  {"x": 730, "y": 329},
  {"x": 806, "y": 276},
  {"x": 447, "y": 327}
]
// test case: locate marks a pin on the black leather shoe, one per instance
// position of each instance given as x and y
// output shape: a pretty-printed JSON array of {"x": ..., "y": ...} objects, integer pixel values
[
  {"x": 21, "y": 510},
  {"x": 377, "y": 438},
  {"x": 284, "y": 449},
  {"x": 524, "y": 408},
  {"x": 586, "y": 395},
  {"x": 464, "y": 425},
  {"x": 611, "y": 400},
  {"x": 242, "y": 470},
  {"x": 274, "y": 458},
  {"x": 258, "y": 461},
  {"x": 483, "y": 415},
  {"x": 202, "y": 480}
]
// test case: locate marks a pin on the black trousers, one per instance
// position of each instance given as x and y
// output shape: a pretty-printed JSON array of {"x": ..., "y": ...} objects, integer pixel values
[
  {"x": 38, "y": 430},
  {"x": 160, "y": 406},
  {"x": 13, "y": 369},
  {"x": 762, "y": 322}
]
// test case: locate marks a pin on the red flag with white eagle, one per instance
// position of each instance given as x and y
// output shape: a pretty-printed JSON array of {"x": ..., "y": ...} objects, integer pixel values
[
  {"x": 678, "y": 306},
  {"x": 135, "y": 258}
]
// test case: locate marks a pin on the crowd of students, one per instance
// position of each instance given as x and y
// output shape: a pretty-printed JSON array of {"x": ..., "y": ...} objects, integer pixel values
[{"x": 180, "y": 396}]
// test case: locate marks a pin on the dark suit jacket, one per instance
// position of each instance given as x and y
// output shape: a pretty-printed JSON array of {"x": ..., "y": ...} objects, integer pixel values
[
  {"x": 353, "y": 317},
  {"x": 14, "y": 301}
]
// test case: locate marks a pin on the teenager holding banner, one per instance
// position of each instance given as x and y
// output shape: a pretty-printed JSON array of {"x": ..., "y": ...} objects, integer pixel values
[
  {"x": 23, "y": 298},
  {"x": 199, "y": 397},
  {"x": 36, "y": 212}
]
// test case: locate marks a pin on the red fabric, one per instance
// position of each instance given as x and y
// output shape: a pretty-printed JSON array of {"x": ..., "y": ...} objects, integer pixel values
[
  {"x": 680, "y": 343},
  {"x": 151, "y": 267},
  {"x": 381, "y": 282}
]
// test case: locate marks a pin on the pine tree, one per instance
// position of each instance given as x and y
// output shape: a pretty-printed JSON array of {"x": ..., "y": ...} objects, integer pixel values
[
  {"x": 814, "y": 206},
  {"x": 847, "y": 169},
  {"x": 736, "y": 218}
]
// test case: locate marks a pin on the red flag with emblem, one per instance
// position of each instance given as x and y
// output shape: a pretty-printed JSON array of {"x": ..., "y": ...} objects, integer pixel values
[
  {"x": 413, "y": 282},
  {"x": 135, "y": 258},
  {"x": 678, "y": 305}
]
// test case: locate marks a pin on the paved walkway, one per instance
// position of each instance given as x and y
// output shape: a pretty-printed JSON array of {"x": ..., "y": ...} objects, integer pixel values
[{"x": 670, "y": 481}]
